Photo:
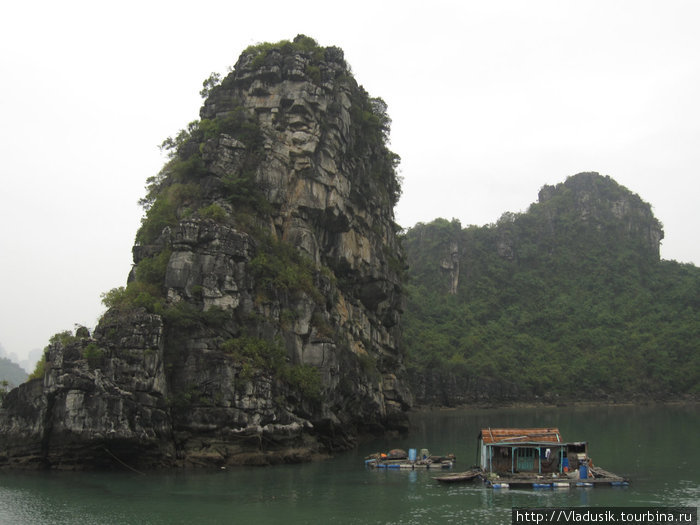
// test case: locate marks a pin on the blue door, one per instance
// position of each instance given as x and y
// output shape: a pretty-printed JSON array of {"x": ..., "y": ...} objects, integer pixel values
[{"x": 526, "y": 459}]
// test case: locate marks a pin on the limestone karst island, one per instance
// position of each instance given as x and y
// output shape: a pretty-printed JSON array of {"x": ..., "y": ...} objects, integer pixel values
[{"x": 276, "y": 312}]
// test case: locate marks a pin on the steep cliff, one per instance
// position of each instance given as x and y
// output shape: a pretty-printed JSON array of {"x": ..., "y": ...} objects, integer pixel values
[
  {"x": 260, "y": 321},
  {"x": 566, "y": 301}
]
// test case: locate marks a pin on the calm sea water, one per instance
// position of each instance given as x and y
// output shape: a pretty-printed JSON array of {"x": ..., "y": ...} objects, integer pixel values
[{"x": 655, "y": 446}]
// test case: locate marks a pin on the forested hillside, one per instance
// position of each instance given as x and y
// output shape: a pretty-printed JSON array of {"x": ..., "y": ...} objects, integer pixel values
[{"x": 568, "y": 300}]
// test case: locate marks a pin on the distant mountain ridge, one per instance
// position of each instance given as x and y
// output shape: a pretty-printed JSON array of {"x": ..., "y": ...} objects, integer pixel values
[
  {"x": 568, "y": 300},
  {"x": 11, "y": 372}
]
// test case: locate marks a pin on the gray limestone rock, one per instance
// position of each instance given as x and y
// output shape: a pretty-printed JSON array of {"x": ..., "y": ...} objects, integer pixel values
[{"x": 232, "y": 349}]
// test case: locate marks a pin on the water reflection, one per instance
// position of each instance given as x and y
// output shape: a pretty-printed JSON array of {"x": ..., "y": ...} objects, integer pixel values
[{"x": 632, "y": 441}]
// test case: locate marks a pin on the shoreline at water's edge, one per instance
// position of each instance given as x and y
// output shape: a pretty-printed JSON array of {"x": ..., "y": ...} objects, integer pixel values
[
  {"x": 298, "y": 456},
  {"x": 545, "y": 404}
]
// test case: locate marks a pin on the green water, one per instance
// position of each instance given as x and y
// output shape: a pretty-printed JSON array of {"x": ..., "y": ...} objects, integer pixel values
[{"x": 656, "y": 447}]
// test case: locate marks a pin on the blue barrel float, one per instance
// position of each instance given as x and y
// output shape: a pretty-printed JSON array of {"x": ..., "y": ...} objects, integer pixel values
[
  {"x": 583, "y": 471},
  {"x": 412, "y": 454}
]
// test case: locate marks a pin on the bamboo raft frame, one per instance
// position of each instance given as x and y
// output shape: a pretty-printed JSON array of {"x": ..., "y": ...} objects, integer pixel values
[
  {"x": 409, "y": 465},
  {"x": 600, "y": 477},
  {"x": 399, "y": 459}
]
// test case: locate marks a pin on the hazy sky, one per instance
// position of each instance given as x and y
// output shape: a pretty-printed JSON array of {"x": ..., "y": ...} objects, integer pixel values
[{"x": 490, "y": 100}]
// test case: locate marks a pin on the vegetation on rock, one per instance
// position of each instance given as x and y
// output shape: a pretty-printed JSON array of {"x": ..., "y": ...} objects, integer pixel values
[
  {"x": 266, "y": 285},
  {"x": 262, "y": 310},
  {"x": 568, "y": 300}
]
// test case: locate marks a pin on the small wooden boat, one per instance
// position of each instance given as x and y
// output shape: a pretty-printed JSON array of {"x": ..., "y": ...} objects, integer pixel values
[{"x": 459, "y": 477}]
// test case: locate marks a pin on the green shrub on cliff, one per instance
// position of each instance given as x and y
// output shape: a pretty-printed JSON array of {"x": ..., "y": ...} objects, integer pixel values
[
  {"x": 63, "y": 338},
  {"x": 93, "y": 354},
  {"x": 246, "y": 194},
  {"x": 39, "y": 368},
  {"x": 370, "y": 135},
  {"x": 151, "y": 270},
  {"x": 210, "y": 83},
  {"x": 183, "y": 316},
  {"x": 300, "y": 43},
  {"x": 213, "y": 212},
  {"x": 4, "y": 386},
  {"x": 136, "y": 294},
  {"x": 280, "y": 267},
  {"x": 114, "y": 297},
  {"x": 241, "y": 124},
  {"x": 165, "y": 210},
  {"x": 255, "y": 353},
  {"x": 258, "y": 352},
  {"x": 306, "y": 380}
]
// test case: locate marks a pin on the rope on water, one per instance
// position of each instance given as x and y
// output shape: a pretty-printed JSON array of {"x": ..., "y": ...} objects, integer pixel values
[{"x": 124, "y": 464}]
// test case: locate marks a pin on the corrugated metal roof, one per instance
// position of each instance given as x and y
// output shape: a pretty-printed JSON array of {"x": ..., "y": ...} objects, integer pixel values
[{"x": 514, "y": 435}]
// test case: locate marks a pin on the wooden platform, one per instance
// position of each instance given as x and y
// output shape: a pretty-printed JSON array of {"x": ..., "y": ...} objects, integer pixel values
[
  {"x": 557, "y": 483},
  {"x": 407, "y": 464},
  {"x": 599, "y": 477}
]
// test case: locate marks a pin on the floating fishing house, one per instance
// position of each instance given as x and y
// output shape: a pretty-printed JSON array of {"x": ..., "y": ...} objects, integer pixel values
[
  {"x": 533, "y": 450},
  {"x": 534, "y": 457}
]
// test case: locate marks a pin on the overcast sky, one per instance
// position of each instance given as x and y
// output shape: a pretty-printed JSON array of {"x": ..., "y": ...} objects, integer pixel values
[{"x": 490, "y": 100}]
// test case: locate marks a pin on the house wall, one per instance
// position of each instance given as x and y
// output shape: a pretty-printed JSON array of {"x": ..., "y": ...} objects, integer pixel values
[{"x": 521, "y": 459}]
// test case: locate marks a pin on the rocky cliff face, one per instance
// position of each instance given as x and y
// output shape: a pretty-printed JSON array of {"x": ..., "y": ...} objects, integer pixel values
[
  {"x": 260, "y": 321},
  {"x": 599, "y": 202}
]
